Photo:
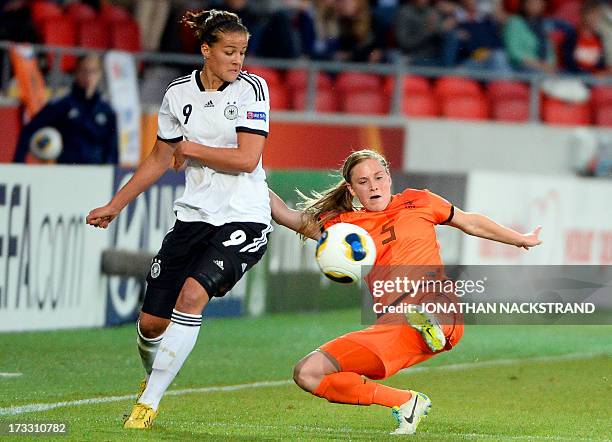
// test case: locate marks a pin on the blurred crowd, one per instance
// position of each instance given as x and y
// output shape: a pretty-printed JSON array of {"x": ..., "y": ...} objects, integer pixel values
[{"x": 500, "y": 35}]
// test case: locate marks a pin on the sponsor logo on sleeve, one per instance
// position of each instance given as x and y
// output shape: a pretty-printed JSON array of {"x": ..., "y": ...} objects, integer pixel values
[{"x": 256, "y": 116}]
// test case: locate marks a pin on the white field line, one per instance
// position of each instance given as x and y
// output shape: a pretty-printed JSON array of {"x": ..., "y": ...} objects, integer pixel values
[
  {"x": 503, "y": 362},
  {"x": 9, "y": 375},
  {"x": 37, "y": 407},
  {"x": 347, "y": 432}
]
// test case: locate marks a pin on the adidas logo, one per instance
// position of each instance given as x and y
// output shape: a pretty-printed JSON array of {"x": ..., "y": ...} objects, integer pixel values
[
  {"x": 209, "y": 104},
  {"x": 219, "y": 263}
]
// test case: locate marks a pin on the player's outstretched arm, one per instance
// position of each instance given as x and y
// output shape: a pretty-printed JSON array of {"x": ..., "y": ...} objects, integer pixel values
[
  {"x": 147, "y": 173},
  {"x": 243, "y": 158},
  {"x": 290, "y": 218},
  {"x": 479, "y": 225}
]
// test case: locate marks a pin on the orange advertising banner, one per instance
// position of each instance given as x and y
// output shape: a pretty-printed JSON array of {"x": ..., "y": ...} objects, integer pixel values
[{"x": 293, "y": 145}]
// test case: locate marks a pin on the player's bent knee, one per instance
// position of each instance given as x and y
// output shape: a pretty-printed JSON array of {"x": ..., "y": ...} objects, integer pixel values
[
  {"x": 306, "y": 376},
  {"x": 193, "y": 297},
  {"x": 151, "y": 327},
  {"x": 302, "y": 378}
]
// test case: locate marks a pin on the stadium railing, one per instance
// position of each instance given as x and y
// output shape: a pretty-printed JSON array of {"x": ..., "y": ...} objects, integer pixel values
[{"x": 398, "y": 70}]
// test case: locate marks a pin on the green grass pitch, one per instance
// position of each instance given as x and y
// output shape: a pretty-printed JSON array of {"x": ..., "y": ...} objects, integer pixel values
[{"x": 533, "y": 383}]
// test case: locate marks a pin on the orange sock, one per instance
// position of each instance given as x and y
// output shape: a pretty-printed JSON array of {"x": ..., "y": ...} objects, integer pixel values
[
  {"x": 351, "y": 388},
  {"x": 389, "y": 397}
]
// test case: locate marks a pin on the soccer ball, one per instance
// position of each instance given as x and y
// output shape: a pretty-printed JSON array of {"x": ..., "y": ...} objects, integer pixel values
[
  {"x": 342, "y": 250},
  {"x": 46, "y": 143}
]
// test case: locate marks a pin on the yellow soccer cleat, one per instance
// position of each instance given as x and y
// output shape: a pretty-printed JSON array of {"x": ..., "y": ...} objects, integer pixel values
[
  {"x": 141, "y": 417},
  {"x": 429, "y": 328},
  {"x": 141, "y": 389},
  {"x": 143, "y": 385}
]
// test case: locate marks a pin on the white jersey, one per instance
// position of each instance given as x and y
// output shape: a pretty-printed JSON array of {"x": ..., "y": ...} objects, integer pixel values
[{"x": 213, "y": 118}]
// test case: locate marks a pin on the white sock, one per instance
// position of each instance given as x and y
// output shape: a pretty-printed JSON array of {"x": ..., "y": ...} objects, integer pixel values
[
  {"x": 179, "y": 339},
  {"x": 147, "y": 347}
]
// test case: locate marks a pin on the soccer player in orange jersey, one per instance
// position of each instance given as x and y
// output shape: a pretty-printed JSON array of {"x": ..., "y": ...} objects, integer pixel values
[{"x": 402, "y": 227}]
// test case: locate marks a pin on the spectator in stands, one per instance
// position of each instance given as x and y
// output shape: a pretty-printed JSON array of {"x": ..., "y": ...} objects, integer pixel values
[
  {"x": 16, "y": 22},
  {"x": 583, "y": 50},
  {"x": 605, "y": 29},
  {"x": 478, "y": 39},
  {"x": 449, "y": 13},
  {"x": 280, "y": 35},
  {"x": 326, "y": 29},
  {"x": 420, "y": 28},
  {"x": 527, "y": 38},
  {"x": 86, "y": 122},
  {"x": 303, "y": 24},
  {"x": 384, "y": 12},
  {"x": 249, "y": 17},
  {"x": 357, "y": 41},
  {"x": 152, "y": 17}
]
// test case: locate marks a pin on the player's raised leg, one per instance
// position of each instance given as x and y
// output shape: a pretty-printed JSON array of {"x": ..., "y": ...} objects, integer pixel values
[
  {"x": 176, "y": 345},
  {"x": 337, "y": 373}
]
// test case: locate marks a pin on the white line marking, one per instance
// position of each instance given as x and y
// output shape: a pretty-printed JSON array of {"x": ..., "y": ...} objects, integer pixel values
[
  {"x": 501, "y": 362},
  {"x": 363, "y": 431},
  {"x": 102, "y": 400},
  {"x": 30, "y": 408},
  {"x": 9, "y": 375}
]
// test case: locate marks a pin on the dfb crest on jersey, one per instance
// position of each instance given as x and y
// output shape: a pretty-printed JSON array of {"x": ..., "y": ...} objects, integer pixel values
[
  {"x": 231, "y": 112},
  {"x": 155, "y": 268}
]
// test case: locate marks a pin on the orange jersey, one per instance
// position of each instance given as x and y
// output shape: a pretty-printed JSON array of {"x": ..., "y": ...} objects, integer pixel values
[{"x": 404, "y": 232}]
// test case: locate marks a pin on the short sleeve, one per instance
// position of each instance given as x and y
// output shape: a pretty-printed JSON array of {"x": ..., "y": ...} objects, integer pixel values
[
  {"x": 254, "y": 105},
  {"x": 441, "y": 209},
  {"x": 168, "y": 126}
]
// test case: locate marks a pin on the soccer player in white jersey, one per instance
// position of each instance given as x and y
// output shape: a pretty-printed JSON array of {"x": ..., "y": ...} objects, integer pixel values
[{"x": 216, "y": 120}]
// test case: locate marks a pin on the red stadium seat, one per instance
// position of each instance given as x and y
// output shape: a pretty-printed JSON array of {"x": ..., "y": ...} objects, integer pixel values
[
  {"x": 559, "y": 112},
  {"x": 42, "y": 11},
  {"x": 60, "y": 32},
  {"x": 79, "y": 12},
  {"x": 510, "y": 109},
  {"x": 350, "y": 81},
  {"x": 570, "y": 12},
  {"x": 420, "y": 105},
  {"x": 601, "y": 95},
  {"x": 92, "y": 34},
  {"x": 603, "y": 116},
  {"x": 359, "y": 101},
  {"x": 466, "y": 107},
  {"x": 325, "y": 101},
  {"x": 511, "y": 6},
  {"x": 456, "y": 87},
  {"x": 125, "y": 36},
  {"x": 113, "y": 13},
  {"x": 298, "y": 79},
  {"x": 506, "y": 89},
  {"x": 279, "y": 98},
  {"x": 410, "y": 84},
  {"x": 272, "y": 76}
]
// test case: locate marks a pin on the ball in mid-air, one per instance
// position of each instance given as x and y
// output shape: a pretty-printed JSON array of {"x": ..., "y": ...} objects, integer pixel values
[
  {"x": 46, "y": 143},
  {"x": 342, "y": 250}
]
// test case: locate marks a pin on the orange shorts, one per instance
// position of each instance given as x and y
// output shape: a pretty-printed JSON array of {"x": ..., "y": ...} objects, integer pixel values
[{"x": 380, "y": 351}]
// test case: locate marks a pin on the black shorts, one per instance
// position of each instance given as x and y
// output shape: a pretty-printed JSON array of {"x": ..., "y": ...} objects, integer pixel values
[{"x": 215, "y": 256}]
